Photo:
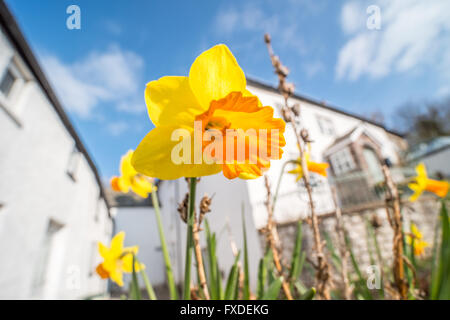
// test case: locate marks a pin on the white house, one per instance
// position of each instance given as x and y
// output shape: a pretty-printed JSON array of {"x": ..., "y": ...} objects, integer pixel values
[{"x": 52, "y": 205}]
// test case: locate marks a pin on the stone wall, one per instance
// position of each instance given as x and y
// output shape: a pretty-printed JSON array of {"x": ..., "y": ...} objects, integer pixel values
[{"x": 423, "y": 213}]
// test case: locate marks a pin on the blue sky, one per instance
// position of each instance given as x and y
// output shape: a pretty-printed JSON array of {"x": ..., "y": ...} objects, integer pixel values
[{"x": 100, "y": 71}]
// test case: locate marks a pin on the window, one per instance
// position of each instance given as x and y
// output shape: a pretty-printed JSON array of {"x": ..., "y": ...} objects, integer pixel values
[
  {"x": 7, "y": 83},
  {"x": 13, "y": 80},
  {"x": 342, "y": 161},
  {"x": 44, "y": 254},
  {"x": 373, "y": 164},
  {"x": 73, "y": 163},
  {"x": 326, "y": 126}
]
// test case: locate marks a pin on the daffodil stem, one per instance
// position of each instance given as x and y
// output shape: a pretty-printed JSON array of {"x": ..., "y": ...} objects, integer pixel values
[
  {"x": 148, "y": 285},
  {"x": 275, "y": 196},
  {"x": 135, "y": 292},
  {"x": 189, "y": 239},
  {"x": 162, "y": 237}
]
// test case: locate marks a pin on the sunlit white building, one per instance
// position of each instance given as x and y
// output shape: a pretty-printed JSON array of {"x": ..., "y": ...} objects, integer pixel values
[{"x": 52, "y": 205}]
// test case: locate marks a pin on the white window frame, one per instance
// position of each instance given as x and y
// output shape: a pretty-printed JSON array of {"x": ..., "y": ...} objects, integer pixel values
[
  {"x": 22, "y": 77},
  {"x": 74, "y": 163},
  {"x": 342, "y": 161}
]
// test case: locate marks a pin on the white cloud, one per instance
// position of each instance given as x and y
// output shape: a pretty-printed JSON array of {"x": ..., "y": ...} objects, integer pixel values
[
  {"x": 117, "y": 128},
  {"x": 281, "y": 21},
  {"x": 352, "y": 17},
  {"x": 113, "y": 27},
  {"x": 413, "y": 34},
  {"x": 313, "y": 68},
  {"x": 248, "y": 18},
  {"x": 132, "y": 105},
  {"x": 111, "y": 76}
]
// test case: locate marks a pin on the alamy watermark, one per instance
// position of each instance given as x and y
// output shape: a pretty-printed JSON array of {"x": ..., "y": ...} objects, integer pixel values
[
  {"x": 374, "y": 20},
  {"x": 373, "y": 277},
  {"x": 73, "y": 21},
  {"x": 213, "y": 146}
]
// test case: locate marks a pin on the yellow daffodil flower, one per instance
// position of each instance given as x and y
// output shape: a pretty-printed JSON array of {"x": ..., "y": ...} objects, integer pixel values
[
  {"x": 319, "y": 168},
  {"x": 419, "y": 244},
  {"x": 214, "y": 95},
  {"x": 130, "y": 178},
  {"x": 117, "y": 259},
  {"x": 422, "y": 183}
]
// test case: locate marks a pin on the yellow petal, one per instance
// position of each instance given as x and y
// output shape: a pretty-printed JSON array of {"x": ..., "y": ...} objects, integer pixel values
[
  {"x": 127, "y": 264},
  {"x": 248, "y": 176},
  {"x": 103, "y": 250},
  {"x": 421, "y": 170},
  {"x": 415, "y": 195},
  {"x": 117, "y": 244},
  {"x": 214, "y": 74},
  {"x": 153, "y": 157},
  {"x": 415, "y": 231},
  {"x": 170, "y": 101},
  {"x": 117, "y": 277},
  {"x": 126, "y": 169},
  {"x": 141, "y": 186}
]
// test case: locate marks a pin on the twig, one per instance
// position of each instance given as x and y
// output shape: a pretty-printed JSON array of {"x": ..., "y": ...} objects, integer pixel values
[
  {"x": 287, "y": 89},
  {"x": 198, "y": 255},
  {"x": 343, "y": 252},
  {"x": 393, "y": 201},
  {"x": 271, "y": 240}
]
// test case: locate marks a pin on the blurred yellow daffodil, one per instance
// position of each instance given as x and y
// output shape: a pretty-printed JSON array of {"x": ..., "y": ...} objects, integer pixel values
[
  {"x": 319, "y": 168},
  {"x": 117, "y": 259},
  {"x": 213, "y": 98},
  {"x": 419, "y": 244},
  {"x": 422, "y": 183},
  {"x": 130, "y": 178}
]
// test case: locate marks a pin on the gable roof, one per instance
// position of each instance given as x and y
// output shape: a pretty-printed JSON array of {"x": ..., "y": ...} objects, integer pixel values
[
  {"x": 262, "y": 85},
  {"x": 20, "y": 44},
  {"x": 350, "y": 137}
]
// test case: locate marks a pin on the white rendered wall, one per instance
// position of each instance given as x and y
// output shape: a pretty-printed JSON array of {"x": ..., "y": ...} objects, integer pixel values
[
  {"x": 34, "y": 188},
  {"x": 139, "y": 224}
]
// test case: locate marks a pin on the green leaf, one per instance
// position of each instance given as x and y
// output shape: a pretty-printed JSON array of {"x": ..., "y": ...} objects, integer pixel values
[
  {"x": 296, "y": 263},
  {"x": 335, "y": 258},
  {"x": 360, "y": 285},
  {"x": 441, "y": 274},
  {"x": 263, "y": 270},
  {"x": 246, "y": 272},
  {"x": 212, "y": 261},
  {"x": 309, "y": 294},
  {"x": 230, "y": 290},
  {"x": 273, "y": 291}
]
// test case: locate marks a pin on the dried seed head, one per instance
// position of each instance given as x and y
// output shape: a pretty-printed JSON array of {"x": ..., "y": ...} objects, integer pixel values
[
  {"x": 183, "y": 208},
  {"x": 267, "y": 38},
  {"x": 305, "y": 136},
  {"x": 375, "y": 221},
  {"x": 286, "y": 88},
  {"x": 296, "y": 109},
  {"x": 286, "y": 115},
  {"x": 205, "y": 204}
]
